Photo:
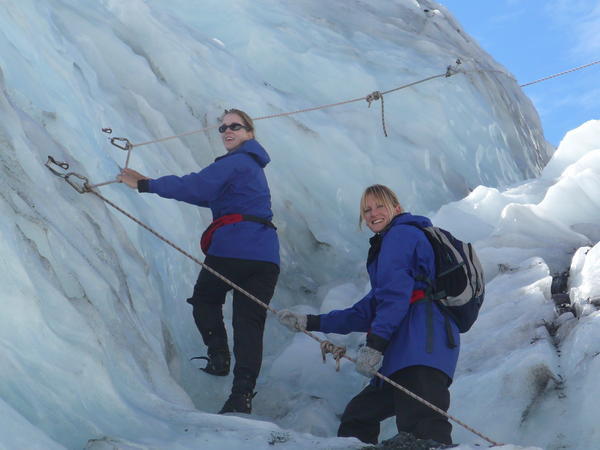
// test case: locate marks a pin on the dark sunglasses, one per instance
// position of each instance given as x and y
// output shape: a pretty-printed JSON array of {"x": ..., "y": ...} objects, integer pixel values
[{"x": 234, "y": 127}]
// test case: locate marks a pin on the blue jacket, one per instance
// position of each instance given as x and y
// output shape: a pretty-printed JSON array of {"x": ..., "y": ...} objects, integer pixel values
[
  {"x": 234, "y": 183},
  {"x": 396, "y": 327}
]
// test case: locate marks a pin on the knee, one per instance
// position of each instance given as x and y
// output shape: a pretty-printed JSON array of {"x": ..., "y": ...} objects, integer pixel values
[
  {"x": 207, "y": 315},
  {"x": 206, "y": 298},
  {"x": 245, "y": 311}
]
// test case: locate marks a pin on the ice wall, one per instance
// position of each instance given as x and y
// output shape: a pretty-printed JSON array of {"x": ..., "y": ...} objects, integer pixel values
[{"x": 95, "y": 332}]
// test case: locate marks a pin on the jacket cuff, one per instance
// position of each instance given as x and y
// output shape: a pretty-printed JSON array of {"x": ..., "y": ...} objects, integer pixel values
[
  {"x": 313, "y": 323},
  {"x": 143, "y": 185},
  {"x": 377, "y": 342}
]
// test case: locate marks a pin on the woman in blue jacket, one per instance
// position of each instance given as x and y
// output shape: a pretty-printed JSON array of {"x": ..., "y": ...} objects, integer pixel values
[
  {"x": 407, "y": 339},
  {"x": 241, "y": 244}
]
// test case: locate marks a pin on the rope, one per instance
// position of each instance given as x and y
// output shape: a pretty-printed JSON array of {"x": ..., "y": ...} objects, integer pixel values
[
  {"x": 376, "y": 95},
  {"x": 560, "y": 73},
  {"x": 337, "y": 352},
  {"x": 179, "y": 249},
  {"x": 369, "y": 98},
  {"x": 435, "y": 408},
  {"x": 128, "y": 146}
]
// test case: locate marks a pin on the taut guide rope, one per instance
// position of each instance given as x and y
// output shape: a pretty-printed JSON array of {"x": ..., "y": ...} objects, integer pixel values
[
  {"x": 375, "y": 95},
  {"x": 127, "y": 145},
  {"x": 338, "y": 352},
  {"x": 574, "y": 69}
]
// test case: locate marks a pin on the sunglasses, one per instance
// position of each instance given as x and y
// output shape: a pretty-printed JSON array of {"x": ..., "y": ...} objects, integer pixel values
[{"x": 234, "y": 127}]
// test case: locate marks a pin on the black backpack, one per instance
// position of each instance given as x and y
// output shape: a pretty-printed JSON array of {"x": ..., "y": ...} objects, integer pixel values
[{"x": 458, "y": 288}]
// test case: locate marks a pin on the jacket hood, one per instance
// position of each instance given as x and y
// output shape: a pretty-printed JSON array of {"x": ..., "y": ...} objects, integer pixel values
[
  {"x": 409, "y": 219},
  {"x": 253, "y": 149},
  {"x": 401, "y": 219}
]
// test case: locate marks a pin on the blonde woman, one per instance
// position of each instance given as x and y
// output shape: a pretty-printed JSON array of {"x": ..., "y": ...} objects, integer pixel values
[
  {"x": 241, "y": 244},
  {"x": 408, "y": 338}
]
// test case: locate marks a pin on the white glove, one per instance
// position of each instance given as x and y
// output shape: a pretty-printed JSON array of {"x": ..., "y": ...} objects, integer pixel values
[
  {"x": 368, "y": 361},
  {"x": 295, "y": 322}
]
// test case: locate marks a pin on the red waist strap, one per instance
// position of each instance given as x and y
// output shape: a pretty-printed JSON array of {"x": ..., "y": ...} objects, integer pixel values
[
  {"x": 228, "y": 219},
  {"x": 417, "y": 295}
]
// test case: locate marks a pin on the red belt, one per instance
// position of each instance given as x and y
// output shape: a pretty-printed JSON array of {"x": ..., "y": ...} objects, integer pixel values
[
  {"x": 417, "y": 295},
  {"x": 228, "y": 219}
]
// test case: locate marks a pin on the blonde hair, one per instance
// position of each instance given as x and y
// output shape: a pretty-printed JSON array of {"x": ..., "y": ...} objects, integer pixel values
[
  {"x": 245, "y": 118},
  {"x": 382, "y": 194}
]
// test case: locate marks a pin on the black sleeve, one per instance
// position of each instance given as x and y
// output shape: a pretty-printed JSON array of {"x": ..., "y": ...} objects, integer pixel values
[
  {"x": 377, "y": 342},
  {"x": 143, "y": 186},
  {"x": 313, "y": 323}
]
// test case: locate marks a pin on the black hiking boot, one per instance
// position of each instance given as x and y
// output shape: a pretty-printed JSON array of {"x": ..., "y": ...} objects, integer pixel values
[
  {"x": 238, "y": 403},
  {"x": 217, "y": 362},
  {"x": 242, "y": 393}
]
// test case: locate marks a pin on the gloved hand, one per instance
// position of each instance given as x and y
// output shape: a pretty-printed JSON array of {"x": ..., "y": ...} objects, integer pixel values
[
  {"x": 368, "y": 361},
  {"x": 295, "y": 322}
]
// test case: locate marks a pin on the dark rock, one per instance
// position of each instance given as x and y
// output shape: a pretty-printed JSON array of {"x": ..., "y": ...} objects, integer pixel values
[
  {"x": 559, "y": 283},
  {"x": 561, "y": 299},
  {"x": 406, "y": 441}
]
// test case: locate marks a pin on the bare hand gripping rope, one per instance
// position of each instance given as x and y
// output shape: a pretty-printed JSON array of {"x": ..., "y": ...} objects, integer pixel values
[{"x": 83, "y": 186}]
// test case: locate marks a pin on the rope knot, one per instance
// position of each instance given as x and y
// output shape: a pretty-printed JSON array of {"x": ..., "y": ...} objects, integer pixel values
[
  {"x": 376, "y": 95},
  {"x": 337, "y": 352},
  {"x": 373, "y": 96}
]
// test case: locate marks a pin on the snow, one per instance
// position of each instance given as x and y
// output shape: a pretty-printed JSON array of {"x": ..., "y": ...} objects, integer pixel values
[
  {"x": 523, "y": 367},
  {"x": 95, "y": 333}
]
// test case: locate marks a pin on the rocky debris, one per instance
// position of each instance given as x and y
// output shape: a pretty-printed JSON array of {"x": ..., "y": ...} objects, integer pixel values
[{"x": 406, "y": 441}]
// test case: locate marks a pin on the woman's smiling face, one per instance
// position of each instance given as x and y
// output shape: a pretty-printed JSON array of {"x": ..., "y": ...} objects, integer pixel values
[
  {"x": 376, "y": 215},
  {"x": 233, "y": 139}
]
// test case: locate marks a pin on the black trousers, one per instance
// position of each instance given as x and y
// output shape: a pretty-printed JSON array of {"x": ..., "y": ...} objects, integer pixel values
[
  {"x": 362, "y": 416},
  {"x": 256, "y": 277}
]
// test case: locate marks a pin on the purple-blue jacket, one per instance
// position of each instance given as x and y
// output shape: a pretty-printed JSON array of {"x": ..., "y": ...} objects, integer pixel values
[
  {"x": 394, "y": 326},
  {"x": 234, "y": 183}
]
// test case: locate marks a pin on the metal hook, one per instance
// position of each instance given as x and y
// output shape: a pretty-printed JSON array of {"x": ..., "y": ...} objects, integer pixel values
[
  {"x": 67, "y": 176},
  {"x": 127, "y": 146},
  {"x": 62, "y": 165},
  {"x": 83, "y": 188}
]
